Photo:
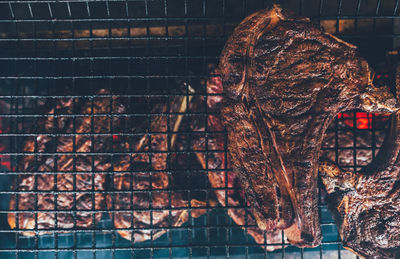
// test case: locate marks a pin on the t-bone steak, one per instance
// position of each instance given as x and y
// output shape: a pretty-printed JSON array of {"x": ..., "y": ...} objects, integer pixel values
[{"x": 284, "y": 81}]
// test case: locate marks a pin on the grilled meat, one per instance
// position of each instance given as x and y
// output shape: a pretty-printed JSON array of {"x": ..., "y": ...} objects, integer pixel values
[
  {"x": 146, "y": 192},
  {"x": 366, "y": 209},
  {"x": 153, "y": 207},
  {"x": 234, "y": 195},
  {"x": 366, "y": 205},
  {"x": 76, "y": 208},
  {"x": 284, "y": 81}
]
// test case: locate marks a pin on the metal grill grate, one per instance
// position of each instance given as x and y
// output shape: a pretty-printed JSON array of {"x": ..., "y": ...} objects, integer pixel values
[{"x": 150, "y": 56}]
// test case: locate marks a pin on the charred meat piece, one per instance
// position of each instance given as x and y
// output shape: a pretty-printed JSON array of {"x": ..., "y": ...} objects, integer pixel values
[
  {"x": 366, "y": 205},
  {"x": 234, "y": 195},
  {"x": 37, "y": 179},
  {"x": 152, "y": 206},
  {"x": 284, "y": 81},
  {"x": 366, "y": 213}
]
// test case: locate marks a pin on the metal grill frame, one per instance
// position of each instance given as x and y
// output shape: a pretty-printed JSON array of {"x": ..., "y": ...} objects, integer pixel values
[{"x": 24, "y": 22}]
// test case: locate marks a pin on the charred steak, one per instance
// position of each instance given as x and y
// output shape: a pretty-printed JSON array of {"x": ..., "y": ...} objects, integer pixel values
[
  {"x": 366, "y": 205},
  {"x": 151, "y": 206},
  {"x": 218, "y": 163},
  {"x": 234, "y": 195},
  {"x": 284, "y": 81},
  {"x": 82, "y": 189},
  {"x": 147, "y": 219}
]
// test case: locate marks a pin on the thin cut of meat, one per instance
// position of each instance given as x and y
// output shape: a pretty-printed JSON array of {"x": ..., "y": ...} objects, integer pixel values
[
  {"x": 366, "y": 205},
  {"x": 233, "y": 197},
  {"x": 74, "y": 207},
  {"x": 149, "y": 208},
  {"x": 284, "y": 81}
]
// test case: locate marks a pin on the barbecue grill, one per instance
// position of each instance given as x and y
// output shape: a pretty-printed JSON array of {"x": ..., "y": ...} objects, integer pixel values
[{"x": 146, "y": 53}]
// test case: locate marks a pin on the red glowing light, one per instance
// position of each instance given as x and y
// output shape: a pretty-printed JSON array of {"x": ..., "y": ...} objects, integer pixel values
[
  {"x": 6, "y": 164},
  {"x": 4, "y": 159},
  {"x": 363, "y": 120},
  {"x": 379, "y": 76}
]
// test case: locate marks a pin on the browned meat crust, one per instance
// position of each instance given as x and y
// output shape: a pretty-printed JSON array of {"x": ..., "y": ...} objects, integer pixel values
[
  {"x": 153, "y": 206},
  {"x": 234, "y": 196},
  {"x": 86, "y": 183},
  {"x": 284, "y": 81},
  {"x": 366, "y": 205},
  {"x": 149, "y": 202}
]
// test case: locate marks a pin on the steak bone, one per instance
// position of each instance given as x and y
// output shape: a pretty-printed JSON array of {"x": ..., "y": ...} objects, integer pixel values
[{"x": 284, "y": 81}]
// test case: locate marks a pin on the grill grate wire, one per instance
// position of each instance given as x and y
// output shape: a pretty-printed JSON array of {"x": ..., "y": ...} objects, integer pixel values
[{"x": 144, "y": 51}]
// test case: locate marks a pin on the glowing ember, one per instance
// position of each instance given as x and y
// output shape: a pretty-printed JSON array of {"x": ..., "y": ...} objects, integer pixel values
[
  {"x": 363, "y": 120},
  {"x": 379, "y": 76},
  {"x": 4, "y": 159}
]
